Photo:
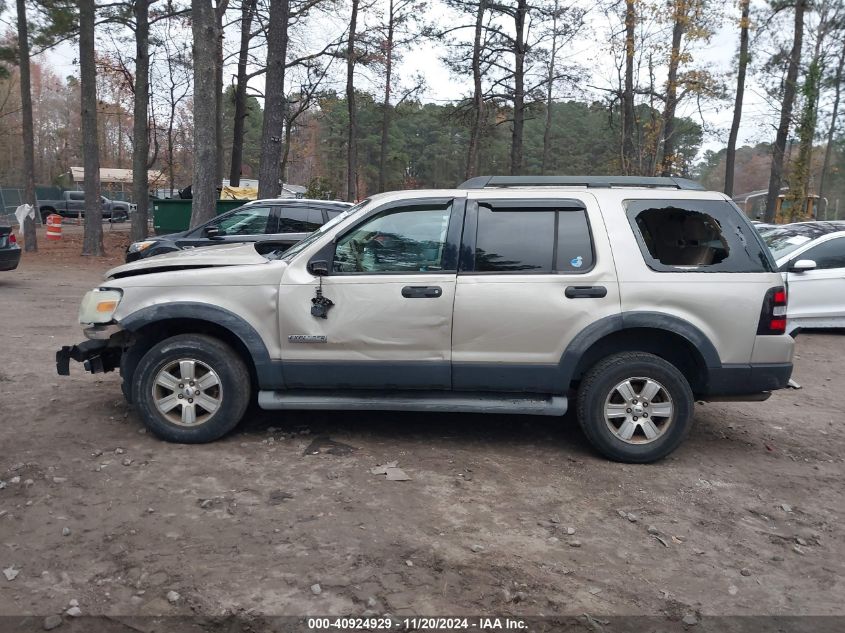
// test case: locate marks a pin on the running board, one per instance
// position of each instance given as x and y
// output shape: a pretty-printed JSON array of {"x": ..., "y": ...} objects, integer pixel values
[{"x": 433, "y": 402}]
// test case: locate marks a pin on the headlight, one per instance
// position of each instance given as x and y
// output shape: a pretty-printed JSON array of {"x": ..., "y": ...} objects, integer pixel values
[
  {"x": 98, "y": 305},
  {"x": 139, "y": 247}
]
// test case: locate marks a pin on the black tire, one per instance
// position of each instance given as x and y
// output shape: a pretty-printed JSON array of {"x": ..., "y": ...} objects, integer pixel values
[
  {"x": 598, "y": 392},
  {"x": 232, "y": 395}
]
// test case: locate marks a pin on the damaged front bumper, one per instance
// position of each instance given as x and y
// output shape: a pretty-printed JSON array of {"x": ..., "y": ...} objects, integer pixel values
[{"x": 98, "y": 355}]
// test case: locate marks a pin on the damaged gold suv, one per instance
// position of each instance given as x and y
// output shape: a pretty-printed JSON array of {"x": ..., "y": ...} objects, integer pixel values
[{"x": 630, "y": 297}]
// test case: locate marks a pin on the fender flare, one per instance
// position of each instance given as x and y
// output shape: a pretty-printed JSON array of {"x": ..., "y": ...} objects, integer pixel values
[
  {"x": 248, "y": 336},
  {"x": 629, "y": 320}
]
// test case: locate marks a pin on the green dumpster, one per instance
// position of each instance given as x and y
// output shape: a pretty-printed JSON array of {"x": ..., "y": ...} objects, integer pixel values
[{"x": 174, "y": 215}]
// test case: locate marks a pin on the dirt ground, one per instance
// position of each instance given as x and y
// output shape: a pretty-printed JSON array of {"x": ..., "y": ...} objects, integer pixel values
[{"x": 502, "y": 514}]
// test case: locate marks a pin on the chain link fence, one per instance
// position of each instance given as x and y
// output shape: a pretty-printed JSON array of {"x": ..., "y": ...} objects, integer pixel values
[{"x": 11, "y": 197}]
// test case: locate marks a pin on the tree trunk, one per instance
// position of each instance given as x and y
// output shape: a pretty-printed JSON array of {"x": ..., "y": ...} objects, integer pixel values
[
  {"x": 832, "y": 129},
  {"x": 119, "y": 119},
  {"x": 92, "y": 241},
  {"x": 219, "y": 14},
  {"x": 171, "y": 143},
  {"x": 352, "y": 127},
  {"x": 141, "y": 142},
  {"x": 650, "y": 136},
  {"x": 272, "y": 129},
  {"x": 518, "y": 88},
  {"x": 799, "y": 180},
  {"x": 29, "y": 237},
  {"x": 385, "y": 118},
  {"x": 247, "y": 11},
  {"x": 678, "y": 29},
  {"x": 477, "y": 94},
  {"x": 776, "y": 174},
  {"x": 204, "y": 184},
  {"x": 171, "y": 135},
  {"x": 283, "y": 167},
  {"x": 628, "y": 113},
  {"x": 730, "y": 155},
  {"x": 550, "y": 78},
  {"x": 799, "y": 186}
]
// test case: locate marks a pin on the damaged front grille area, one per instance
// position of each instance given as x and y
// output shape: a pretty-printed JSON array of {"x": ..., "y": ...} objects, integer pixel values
[{"x": 96, "y": 357}]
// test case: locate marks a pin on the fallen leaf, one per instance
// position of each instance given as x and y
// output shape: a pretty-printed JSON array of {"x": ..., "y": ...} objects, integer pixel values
[
  {"x": 279, "y": 496},
  {"x": 326, "y": 445}
]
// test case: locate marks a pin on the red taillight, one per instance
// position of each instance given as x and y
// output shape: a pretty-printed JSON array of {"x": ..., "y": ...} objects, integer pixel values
[
  {"x": 779, "y": 325},
  {"x": 773, "y": 314},
  {"x": 12, "y": 239}
]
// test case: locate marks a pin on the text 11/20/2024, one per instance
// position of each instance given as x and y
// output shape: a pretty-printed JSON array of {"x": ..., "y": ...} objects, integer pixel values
[{"x": 417, "y": 624}]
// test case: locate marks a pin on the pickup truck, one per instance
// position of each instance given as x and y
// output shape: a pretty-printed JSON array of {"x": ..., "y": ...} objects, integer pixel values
[{"x": 72, "y": 205}]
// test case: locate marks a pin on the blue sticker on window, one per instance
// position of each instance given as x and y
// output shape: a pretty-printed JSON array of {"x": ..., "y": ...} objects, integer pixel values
[{"x": 576, "y": 262}]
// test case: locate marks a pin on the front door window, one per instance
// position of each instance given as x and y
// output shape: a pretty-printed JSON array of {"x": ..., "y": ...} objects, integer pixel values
[
  {"x": 246, "y": 221},
  {"x": 400, "y": 240}
]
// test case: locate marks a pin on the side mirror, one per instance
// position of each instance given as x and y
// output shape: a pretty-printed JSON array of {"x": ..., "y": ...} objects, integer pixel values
[
  {"x": 319, "y": 267},
  {"x": 802, "y": 265},
  {"x": 212, "y": 232}
]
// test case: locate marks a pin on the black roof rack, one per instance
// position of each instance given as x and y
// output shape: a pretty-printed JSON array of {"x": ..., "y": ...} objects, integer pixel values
[{"x": 603, "y": 182}]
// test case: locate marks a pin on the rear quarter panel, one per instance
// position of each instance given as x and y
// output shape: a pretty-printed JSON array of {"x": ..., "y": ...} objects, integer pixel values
[{"x": 724, "y": 306}]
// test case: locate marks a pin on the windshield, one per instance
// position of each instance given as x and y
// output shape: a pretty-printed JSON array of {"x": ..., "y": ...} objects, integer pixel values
[{"x": 303, "y": 244}]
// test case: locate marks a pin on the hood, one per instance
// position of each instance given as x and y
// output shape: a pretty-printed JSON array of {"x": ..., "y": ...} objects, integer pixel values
[
  {"x": 168, "y": 236},
  {"x": 205, "y": 257}
]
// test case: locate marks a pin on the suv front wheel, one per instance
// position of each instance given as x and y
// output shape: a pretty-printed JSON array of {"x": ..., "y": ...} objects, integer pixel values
[
  {"x": 635, "y": 407},
  {"x": 191, "y": 388}
]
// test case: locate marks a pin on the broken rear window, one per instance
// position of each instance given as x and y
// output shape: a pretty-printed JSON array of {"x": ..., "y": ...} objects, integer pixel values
[{"x": 696, "y": 236}]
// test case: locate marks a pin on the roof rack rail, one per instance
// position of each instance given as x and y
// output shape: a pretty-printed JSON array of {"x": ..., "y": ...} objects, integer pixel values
[{"x": 602, "y": 182}]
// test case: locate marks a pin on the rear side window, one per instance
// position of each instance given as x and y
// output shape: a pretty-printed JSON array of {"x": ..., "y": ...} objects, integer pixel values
[
  {"x": 696, "y": 236},
  {"x": 299, "y": 219},
  {"x": 532, "y": 240},
  {"x": 510, "y": 241}
]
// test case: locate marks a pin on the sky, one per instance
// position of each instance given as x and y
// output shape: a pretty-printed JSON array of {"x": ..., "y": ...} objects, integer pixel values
[{"x": 590, "y": 50}]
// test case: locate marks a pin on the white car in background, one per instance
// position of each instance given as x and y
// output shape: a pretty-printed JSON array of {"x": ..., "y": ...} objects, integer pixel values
[{"x": 811, "y": 257}]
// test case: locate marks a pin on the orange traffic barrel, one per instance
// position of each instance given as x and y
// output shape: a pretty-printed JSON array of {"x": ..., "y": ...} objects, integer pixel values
[{"x": 54, "y": 227}]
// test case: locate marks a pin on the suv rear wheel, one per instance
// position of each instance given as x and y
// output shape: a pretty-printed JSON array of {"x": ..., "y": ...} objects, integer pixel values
[
  {"x": 635, "y": 407},
  {"x": 191, "y": 388}
]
